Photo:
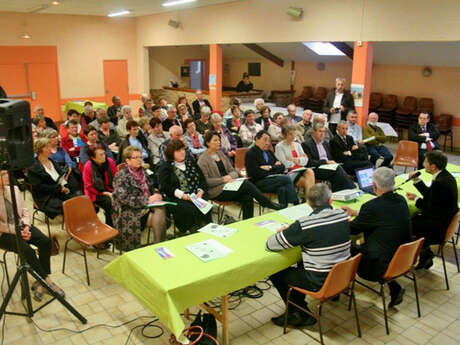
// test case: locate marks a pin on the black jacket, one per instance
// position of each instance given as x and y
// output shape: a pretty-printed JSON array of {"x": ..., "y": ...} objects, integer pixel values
[
  {"x": 145, "y": 146},
  {"x": 255, "y": 158},
  {"x": 415, "y": 130},
  {"x": 385, "y": 223},
  {"x": 112, "y": 113},
  {"x": 347, "y": 101},
  {"x": 242, "y": 87},
  {"x": 440, "y": 200},
  {"x": 309, "y": 147},
  {"x": 338, "y": 147},
  {"x": 196, "y": 107}
]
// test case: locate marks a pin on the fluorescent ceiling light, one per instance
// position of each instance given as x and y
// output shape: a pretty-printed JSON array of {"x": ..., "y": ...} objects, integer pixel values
[
  {"x": 120, "y": 13},
  {"x": 323, "y": 48},
  {"x": 176, "y": 2},
  {"x": 25, "y": 35}
]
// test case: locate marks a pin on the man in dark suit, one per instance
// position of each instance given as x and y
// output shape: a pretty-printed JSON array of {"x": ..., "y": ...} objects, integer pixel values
[
  {"x": 198, "y": 103},
  {"x": 426, "y": 135},
  {"x": 114, "y": 111},
  {"x": 318, "y": 154},
  {"x": 338, "y": 102},
  {"x": 261, "y": 163},
  {"x": 383, "y": 234},
  {"x": 344, "y": 150},
  {"x": 439, "y": 204}
]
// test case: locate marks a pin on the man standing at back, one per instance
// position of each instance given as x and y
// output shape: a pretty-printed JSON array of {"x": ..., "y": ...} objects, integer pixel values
[
  {"x": 324, "y": 237},
  {"x": 439, "y": 204},
  {"x": 338, "y": 102},
  {"x": 385, "y": 223}
]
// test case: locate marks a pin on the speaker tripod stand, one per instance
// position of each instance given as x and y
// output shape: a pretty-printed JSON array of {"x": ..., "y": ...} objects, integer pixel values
[{"x": 23, "y": 269}]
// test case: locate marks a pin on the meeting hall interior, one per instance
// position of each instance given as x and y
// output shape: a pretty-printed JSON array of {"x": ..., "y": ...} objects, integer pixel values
[{"x": 277, "y": 172}]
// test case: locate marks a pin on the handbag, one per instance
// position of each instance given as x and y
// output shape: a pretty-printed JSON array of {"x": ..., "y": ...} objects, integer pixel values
[
  {"x": 202, "y": 331},
  {"x": 54, "y": 246}
]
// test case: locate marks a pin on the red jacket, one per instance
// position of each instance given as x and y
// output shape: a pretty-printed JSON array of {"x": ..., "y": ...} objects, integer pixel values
[
  {"x": 88, "y": 179},
  {"x": 67, "y": 144}
]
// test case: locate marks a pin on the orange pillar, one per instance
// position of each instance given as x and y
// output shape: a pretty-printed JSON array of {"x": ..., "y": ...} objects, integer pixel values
[
  {"x": 215, "y": 76},
  {"x": 363, "y": 56}
]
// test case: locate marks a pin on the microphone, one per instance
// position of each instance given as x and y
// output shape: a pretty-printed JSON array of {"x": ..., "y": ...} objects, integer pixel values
[{"x": 417, "y": 174}]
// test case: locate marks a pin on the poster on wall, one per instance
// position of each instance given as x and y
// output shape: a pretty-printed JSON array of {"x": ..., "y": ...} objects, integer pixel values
[
  {"x": 357, "y": 91},
  {"x": 212, "y": 81}
]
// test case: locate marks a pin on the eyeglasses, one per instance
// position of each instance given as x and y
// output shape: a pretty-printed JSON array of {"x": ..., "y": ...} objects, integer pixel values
[{"x": 137, "y": 157}]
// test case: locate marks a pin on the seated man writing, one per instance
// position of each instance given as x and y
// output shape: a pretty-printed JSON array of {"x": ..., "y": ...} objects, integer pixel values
[
  {"x": 385, "y": 223},
  {"x": 324, "y": 237}
]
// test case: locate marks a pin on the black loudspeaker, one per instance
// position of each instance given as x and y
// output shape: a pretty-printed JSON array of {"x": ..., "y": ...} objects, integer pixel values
[{"x": 16, "y": 144}]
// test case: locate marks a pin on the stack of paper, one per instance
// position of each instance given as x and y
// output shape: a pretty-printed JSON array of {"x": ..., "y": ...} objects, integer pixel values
[
  {"x": 218, "y": 230},
  {"x": 332, "y": 166},
  {"x": 160, "y": 204},
  {"x": 208, "y": 250}
]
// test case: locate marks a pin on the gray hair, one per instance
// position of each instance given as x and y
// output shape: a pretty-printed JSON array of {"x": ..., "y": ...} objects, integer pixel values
[
  {"x": 318, "y": 125},
  {"x": 205, "y": 109},
  {"x": 339, "y": 79},
  {"x": 48, "y": 133},
  {"x": 319, "y": 195},
  {"x": 373, "y": 113},
  {"x": 144, "y": 97},
  {"x": 125, "y": 109},
  {"x": 215, "y": 117},
  {"x": 98, "y": 110},
  {"x": 384, "y": 178},
  {"x": 171, "y": 107},
  {"x": 258, "y": 100},
  {"x": 342, "y": 122}
]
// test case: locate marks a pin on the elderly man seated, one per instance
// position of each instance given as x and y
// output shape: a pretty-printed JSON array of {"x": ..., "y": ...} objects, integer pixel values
[
  {"x": 175, "y": 132},
  {"x": 259, "y": 104},
  {"x": 354, "y": 130},
  {"x": 426, "y": 134},
  {"x": 250, "y": 128},
  {"x": 303, "y": 126},
  {"x": 291, "y": 115},
  {"x": 199, "y": 103},
  {"x": 39, "y": 111},
  {"x": 375, "y": 147},
  {"x": 320, "y": 118},
  {"x": 100, "y": 112}
]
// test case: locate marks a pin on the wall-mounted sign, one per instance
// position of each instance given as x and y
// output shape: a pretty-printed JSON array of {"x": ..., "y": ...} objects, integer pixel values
[{"x": 357, "y": 91}]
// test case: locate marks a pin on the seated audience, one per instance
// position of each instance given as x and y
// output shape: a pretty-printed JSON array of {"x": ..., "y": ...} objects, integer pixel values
[
  {"x": 91, "y": 136},
  {"x": 234, "y": 123},
  {"x": 338, "y": 102},
  {"x": 228, "y": 143},
  {"x": 58, "y": 154},
  {"x": 265, "y": 120},
  {"x": 344, "y": 150},
  {"x": 144, "y": 127},
  {"x": 180, "y": 178},
  {"x": 40, "y": 112},
  {"x": 291, "y": 115},
  {"x": 134, "y": 138},
  {"x": 375, "y": 147},
  {"x": 132, "y": 192},
  {"x": 261, "y": 163},
  {"x": 438, "y": 205},
  {"x": 194, "y": 139},
  {"x": 183, "y": 114},
  {"x": 276, "y": 130},
  {"x": 48, "y": 181},
  {"x": 30, "y": 235},
  {"x": 88, "y": 114},
  {"x": 98, "y": 174},
  {"x": 147, "y": 110},
  {"x": 71, "y": 115},
  {"x": 324, "y": 237},
  {"x": 291, "y": 155},
  {"x": 385, "y": 223},
  {"x": 176, "y": 133},
  {"x": 303, "y": 126},
  {"x": 40, "y": 123},
  {"x": 144, "y": 98},
  {"x": 73, "y": 142},
  {"x": 203, "y": 124},
  {"x": 114, "y": 111},
  {"x": 354, "y": 130},
  {"x": 188, "y": 109},
  {"x": 108, "y": 136},
  {"x": 100, "y": 113},
  {"x": 228, "y": 113},
  {"x": 318, "y": 154},
  {"x": 320, "y": 118},
  {"x": 199, "y": 103},
  {"x": 426, "y": 134},
  {"x": 245, "y": 84},
  {"x": 156, "y": 138},
  {"x": 171, "y": 120},
  {"x": 163, "y": 102},
  {"x": 158, "y": 113},
  {"x": 258, "y": 103},
  {"x": 218, "y": 171},
  {"x": 126, "y": 115},
  {"x": 249, "y": 129}
]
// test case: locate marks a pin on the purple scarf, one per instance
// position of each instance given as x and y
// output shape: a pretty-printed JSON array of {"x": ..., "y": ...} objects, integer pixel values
[{"x": 139, "y": 176}]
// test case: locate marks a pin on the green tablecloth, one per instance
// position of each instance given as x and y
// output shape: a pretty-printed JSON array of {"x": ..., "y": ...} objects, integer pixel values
[
  {"x": 79, "y": 106},
  {"x": 167, "y": 287}
]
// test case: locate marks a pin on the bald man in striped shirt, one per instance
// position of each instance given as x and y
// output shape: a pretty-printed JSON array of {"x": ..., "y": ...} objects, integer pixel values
[{"x": 324, "y": 237}]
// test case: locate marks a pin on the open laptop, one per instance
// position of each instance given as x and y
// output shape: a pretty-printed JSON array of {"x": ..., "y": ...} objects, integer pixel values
[{"x": 364, "y": 177}]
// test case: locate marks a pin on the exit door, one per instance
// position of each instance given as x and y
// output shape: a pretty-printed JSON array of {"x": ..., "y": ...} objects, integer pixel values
[{"x": 116, "y": 80}]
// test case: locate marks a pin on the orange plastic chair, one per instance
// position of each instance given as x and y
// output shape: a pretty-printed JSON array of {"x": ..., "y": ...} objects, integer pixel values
[
  {"x": 402, "y": 263},
  {"x": 83, "y": 226},
  {"x": 407, "y": 154},
  {"x": 453, "y": 226},
  {"x": 340, "y": 279}
]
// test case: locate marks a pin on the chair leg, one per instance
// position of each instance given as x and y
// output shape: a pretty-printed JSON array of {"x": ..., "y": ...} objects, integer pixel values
[
  {"x": 47, "y": 221},
  {"x": 353, "y": 298},
  {"x": 416, "y": 294},
  {"x": 382, "y": 293},
  {"x": 350, "y": 297},
  {"x": 320, "y": 308},
  {"x": 65, "y": 254},
  {"x": 86, "y": 265},
  {"x": 288, "y": 296},
  {"x": 444, "y": 266},
  {"x": 148, "y": 235},
  {"x": 6, "y": 268},
  {"x": 454, "y": 247}
]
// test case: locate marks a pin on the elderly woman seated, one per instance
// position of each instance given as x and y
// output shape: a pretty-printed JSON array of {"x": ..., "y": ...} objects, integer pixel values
[
  {"x": 194, "y": 139},
  {"x": 218, "y": 171},
  {"x": 180, "y": 179},
  {"x": 156, "y": 137},
  {"x": 29, "y": 235},
  {"x": 40, "y": 123},
  {"x": 126, "y": 115},
  {"x": 133, "y": 191},
  {"x": 228, "y": 143},
  {"x": 203, "y": 123},
  {"x": 249, "y": 129},
  {"x": 258, "y": 103},
  {"x": 275, "y": 129},
  {"x": 265, "y": 121},
  {"x": 98, "y": 174},
  {"x": 48, "y": 181}
]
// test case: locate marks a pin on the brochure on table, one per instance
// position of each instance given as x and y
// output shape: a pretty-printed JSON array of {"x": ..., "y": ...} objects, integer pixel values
[
  {"x": 296, "y": 212},
  {"x": 208, "y": 250},
  {"x": 218, "y": 230}
]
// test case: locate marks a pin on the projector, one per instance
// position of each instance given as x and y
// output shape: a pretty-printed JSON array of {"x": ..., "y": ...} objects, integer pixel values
[{"x": 346, "y": 195}]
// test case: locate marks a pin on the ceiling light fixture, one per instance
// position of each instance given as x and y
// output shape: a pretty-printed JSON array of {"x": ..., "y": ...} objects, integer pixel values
[
  {"x": 25, "y": 36},
  {"x": 55, "y": 2},
  {"x": 120, "y": 13},
  {"x": 176, "y": 2},
  {"x": 323, "y": 48}
]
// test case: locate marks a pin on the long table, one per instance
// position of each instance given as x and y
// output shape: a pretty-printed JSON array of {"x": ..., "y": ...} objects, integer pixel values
[{"x": 168, "y": 287}]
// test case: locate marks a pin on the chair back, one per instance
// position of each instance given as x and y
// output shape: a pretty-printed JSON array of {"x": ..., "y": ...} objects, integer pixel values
[
  {"x": 79, "y": 215},
  {"x": 452, "y": 227},
  {"x": 403, "y": 259},
  {"x": 239, "y": 158},
  {"x": 407, "y": 154},
  {"x": 339, "y": 278},
  {"x": 375, "y": 100},
  {"x": 445, "y": 122},
  {"x": 425, "y": 105},
  {"x": 410, "y": 103},
  {"x": 320, "y": 93},
  {"x": 390, "y": 101}
]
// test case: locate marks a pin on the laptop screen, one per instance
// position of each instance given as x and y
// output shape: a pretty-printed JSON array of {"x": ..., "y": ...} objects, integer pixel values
[{"x": 364, "y": 177}]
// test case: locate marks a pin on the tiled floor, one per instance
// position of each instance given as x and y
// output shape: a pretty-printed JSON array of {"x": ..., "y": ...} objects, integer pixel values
[{"x": 105, "y": 302}]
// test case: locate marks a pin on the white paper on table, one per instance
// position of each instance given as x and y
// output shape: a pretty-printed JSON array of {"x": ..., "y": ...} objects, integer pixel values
[
  {"x": 270, "y": 224},
  {"x": 201, "y": 204},
  {"x": 404, "y": 176},
  {"x": 387, "y": 129},
  {"x": 234, "y": 185},
  {"x": 218, "y": 230},
  {"x": 296, "y": 212},
  {"x": 208, "y": 250},
  {"x": 368, "y": 139},
  {"x": 332, "y": 166}
]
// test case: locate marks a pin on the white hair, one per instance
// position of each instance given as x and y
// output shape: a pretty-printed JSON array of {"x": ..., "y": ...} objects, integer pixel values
[
  {"x": 339, "y": 79},
  {"x": 384, "y": 178},
  {"x": 205, "y": 109},
  {"x": 372, "y": 114},
  {"x": 125, "y": 109},
  {"x": 144, "y": 97},
  {"x": 258, "y": 100},
  {"x": 215, "y": 117},
  {"x": 319, "y": 195}
]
